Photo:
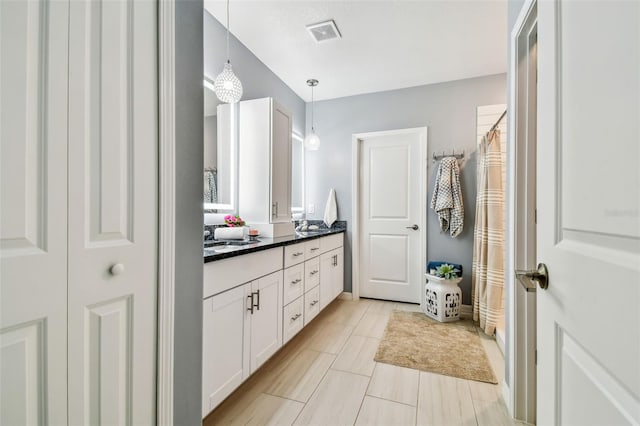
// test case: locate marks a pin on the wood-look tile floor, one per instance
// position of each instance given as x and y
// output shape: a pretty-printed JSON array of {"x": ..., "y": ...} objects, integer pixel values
[{"x": 326, "y": 376}]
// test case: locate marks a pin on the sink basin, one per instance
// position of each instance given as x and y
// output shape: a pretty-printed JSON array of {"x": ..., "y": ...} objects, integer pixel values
[
  {"x": 313, "y": 232},
  {"x": 223, "y": 243}
]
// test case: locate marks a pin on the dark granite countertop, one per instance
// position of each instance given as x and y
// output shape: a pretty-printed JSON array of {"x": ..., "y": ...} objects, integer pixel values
[{"x": 219, "y": 252}]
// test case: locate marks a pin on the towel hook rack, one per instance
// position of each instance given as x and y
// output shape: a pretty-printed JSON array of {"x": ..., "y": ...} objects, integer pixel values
[{"x": 438, "y": 157}]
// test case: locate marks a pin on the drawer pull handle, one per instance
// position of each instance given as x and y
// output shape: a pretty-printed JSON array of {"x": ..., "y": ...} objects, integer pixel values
[
  {"x": 296, "y": 281},
  {"x": 313, "y": 303},
  {"x": 250, "y": 308},
  {"x": 315, "y": 248},
  {"x": 297, "y": 254},
  {"x": 296, "y": 316},
  {"x": 313, "y": 272},
  {"x": 257, "y": 302}
]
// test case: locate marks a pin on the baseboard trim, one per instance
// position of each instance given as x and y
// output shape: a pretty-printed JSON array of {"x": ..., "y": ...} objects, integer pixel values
[
  {"x": 506, "y": 397},
  {"x": 466, "y": 312},
  {"x": 345, "y": 295}
]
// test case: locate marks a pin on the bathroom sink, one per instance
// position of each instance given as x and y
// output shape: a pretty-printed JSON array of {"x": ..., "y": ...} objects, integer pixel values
[
  {"x": 313, "y": 232},
  {"x": 223, "y": 243}
]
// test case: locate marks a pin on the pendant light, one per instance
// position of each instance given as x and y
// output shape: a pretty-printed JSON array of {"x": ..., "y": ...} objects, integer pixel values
[
  {"x": 312, "y": 141},
  {"x": 227, "y": 86}
]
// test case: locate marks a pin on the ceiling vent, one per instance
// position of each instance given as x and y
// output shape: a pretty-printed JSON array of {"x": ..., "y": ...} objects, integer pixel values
[{"x": 324, "y": 31}]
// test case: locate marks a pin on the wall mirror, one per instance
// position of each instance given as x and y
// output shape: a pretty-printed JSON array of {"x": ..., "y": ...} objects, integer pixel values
[
  {"x": 297, "y": 176},
  {"x": 220, "y": 153}
]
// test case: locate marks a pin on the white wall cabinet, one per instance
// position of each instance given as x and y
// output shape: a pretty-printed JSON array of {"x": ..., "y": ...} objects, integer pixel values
[{"x": 265, "y": 166}]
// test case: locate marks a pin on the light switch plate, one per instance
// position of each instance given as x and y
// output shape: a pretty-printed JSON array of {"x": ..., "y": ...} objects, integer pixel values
[{"x": 311, "y": 209}]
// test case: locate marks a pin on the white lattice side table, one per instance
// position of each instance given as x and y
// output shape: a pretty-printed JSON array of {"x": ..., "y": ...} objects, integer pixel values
[{"x": 441, "y": 298}]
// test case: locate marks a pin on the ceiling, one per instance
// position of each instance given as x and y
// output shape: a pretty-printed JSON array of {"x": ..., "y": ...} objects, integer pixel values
[{"x": 385, "y": 45}]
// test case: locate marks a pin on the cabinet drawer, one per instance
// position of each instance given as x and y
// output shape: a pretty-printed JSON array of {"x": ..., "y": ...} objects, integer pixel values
[
  {"x": 312, "y": 248},
  {"x": 294, "y": 282},
  {"x": 293, "y": 254},
  {"x": 311, "y": 304},
  {"x": 293, "y": 319},
  {"x": 224, "y": 274},
  {"x": 331, "y": 242},
  {"x": 311, "y": 273}
]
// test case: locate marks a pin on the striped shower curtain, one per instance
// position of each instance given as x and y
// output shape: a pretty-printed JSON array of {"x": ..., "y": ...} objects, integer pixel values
[{"x": 487, "y": 281}]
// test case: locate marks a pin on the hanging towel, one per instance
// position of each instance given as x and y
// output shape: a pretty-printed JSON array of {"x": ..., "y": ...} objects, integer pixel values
[
  {"x": 331, "y": 210},
  {"x": 447, "y": 197}
]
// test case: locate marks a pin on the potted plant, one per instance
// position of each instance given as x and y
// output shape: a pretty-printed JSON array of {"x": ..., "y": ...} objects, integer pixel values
[{"x": 445, "y": 273}]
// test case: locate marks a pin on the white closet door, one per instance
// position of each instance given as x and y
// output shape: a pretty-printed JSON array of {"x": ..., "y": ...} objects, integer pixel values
[
  {"x": 33, "y": 213},
  {"x": 112, "y": 212}
]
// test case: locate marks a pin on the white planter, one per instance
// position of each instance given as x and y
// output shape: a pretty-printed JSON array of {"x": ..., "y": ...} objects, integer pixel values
[{"x": 441, "y": 298}]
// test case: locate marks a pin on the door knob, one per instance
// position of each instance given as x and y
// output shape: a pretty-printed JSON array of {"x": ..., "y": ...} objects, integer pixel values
[
  {"x": 117, "y": 269},
  {"x": 414, "y": 227},
  {"x": 541, "y": 275}
]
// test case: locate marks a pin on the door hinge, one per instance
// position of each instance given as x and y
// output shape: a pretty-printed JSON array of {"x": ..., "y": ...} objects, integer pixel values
[
  {"x": 535, "y": 216},
  {"x": 535, "y": 357}
]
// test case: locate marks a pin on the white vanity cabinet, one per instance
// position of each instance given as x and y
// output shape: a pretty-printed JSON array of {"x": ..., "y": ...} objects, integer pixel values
[
  {"x": 242, "y": 321},
  {"x": 226, "y": 337},
  {"x": 252, "y": 306},
  {"x": 265, "y": 166},
  {"x": 331, "y": 268}
]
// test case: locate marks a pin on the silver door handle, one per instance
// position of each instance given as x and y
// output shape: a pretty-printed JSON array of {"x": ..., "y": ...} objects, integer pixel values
[
  {"x": 296, "y": 316},
  {"x": 297, "y": 254},
  {"x": 313, "y": 272},
  {"x": 313, "y": 303},
  {"x": 414, "y": 227},
  {"x": 296, "y": 281},
  {"x": 540, "y": 275}
]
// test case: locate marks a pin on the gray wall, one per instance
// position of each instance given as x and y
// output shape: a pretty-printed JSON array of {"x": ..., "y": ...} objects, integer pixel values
[
  {"x": 188, "y": 214},
  {"x": 258, "y": 81},
  {"x": 449, "y": 111}
]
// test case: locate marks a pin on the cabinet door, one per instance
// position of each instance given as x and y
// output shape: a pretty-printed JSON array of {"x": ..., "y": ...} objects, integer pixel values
[
  {"x": 225, "y": 349},
  {"x": 266, "y": 319},
  {"x": 338, "y": 272},
  {"x": 280, "y": 164},
  {"x": 326, "y": 279}
]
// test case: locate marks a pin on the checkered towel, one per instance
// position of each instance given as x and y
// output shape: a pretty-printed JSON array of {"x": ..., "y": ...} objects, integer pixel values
[{"x": 447, "y": 197}]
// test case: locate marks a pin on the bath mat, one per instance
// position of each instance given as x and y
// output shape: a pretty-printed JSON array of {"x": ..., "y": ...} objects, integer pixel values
[{"x": 414, "y": 340}]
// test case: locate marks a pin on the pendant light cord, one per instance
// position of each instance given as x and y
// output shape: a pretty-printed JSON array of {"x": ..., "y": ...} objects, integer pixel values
[
  {"x": 228, "y": 59},
  {"x": 312, "y": 122}
]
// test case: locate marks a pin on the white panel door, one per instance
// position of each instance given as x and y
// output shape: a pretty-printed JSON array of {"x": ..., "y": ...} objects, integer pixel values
[
  {"x": 112, "y": 211},
  {"x": 266, "y": 318},
  {"x": 589, "y": 212},
  {"x": 33, "y": 213},
  {"x": 391, "y": 219}
]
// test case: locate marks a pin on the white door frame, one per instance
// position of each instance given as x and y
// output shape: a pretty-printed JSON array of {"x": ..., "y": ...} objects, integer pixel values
[
  {"x": 356, "y": 142},
  {"x": 520, "y": 388},
  {"x": 166, "y": 210}
]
